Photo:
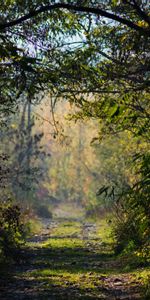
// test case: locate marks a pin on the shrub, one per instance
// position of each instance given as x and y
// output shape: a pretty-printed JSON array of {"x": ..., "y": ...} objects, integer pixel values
[
  {"x": 132, "y": 228},
  {"x": 11, "y": 230}
]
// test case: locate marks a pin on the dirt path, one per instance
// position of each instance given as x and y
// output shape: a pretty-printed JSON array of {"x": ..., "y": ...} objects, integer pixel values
[{"x": 69, "y": 260}]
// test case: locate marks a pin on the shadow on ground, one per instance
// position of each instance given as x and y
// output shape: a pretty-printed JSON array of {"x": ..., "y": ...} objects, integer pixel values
[{"x": 67, "y": 273}]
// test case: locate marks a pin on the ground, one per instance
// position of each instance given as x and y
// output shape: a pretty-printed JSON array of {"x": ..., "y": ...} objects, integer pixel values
[{"x": 71, "y": 259}]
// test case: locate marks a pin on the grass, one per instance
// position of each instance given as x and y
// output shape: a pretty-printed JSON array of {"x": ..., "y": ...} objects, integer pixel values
[
  {"x": 34, "y": 226},
  {"x": 104, "y": 231},
  {"x": 73, "y": 261},
  {"x": 77, "y": 262},
  {"x": 71, "y": 228}
]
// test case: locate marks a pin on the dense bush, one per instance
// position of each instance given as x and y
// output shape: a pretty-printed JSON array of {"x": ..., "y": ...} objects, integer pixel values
[
  {"x": 132, "y": 229},
  {"x": 11, "y": 230}
]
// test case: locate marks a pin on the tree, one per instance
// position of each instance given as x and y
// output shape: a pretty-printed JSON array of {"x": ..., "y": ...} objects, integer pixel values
[
  {"x": 22, "y": 165},
  {"x": 93, "y": 53},
  {"x": 98, "y": 47}
]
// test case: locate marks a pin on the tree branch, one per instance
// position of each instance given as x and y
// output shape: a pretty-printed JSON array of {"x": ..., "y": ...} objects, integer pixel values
[
  {"x": 93, "y": 10},
  {"x": 140, "y": 12}
]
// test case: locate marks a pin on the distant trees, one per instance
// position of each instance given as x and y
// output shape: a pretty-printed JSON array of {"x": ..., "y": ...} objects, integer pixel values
[{"x": 23, "y": 155}]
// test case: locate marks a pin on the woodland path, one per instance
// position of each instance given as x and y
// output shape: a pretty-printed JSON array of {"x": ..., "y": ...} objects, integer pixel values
[{"x": 68, "y": 261}]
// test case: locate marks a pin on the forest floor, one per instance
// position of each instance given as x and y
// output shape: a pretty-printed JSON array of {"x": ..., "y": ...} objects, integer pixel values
[{"x": 71, "y": 259}]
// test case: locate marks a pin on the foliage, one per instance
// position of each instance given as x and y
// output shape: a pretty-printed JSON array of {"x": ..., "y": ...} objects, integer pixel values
[
  {"x": 73, "y": 49},
  {"x": 146, "y": 288},
  {"x": 33, "y": 226},
  {"x": 11, "y": 230},
  {"x": 22, "y": 165},
  {"x": 94, "y": 54},
  {"x": 133, "y": 212}
]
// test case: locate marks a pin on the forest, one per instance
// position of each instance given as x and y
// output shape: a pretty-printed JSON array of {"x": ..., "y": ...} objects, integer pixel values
[{"x": 75, "y": 149}]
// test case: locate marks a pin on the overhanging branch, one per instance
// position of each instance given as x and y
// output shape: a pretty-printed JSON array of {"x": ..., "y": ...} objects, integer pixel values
[{"x": 93, "y": 10}]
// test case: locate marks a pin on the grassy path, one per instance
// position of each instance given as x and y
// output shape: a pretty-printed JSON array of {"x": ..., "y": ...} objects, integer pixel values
[{"x": 71, "y": 260}]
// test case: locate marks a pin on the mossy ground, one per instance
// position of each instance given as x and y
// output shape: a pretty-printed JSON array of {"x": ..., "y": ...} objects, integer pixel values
[{"x": 73, "y": 259}]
